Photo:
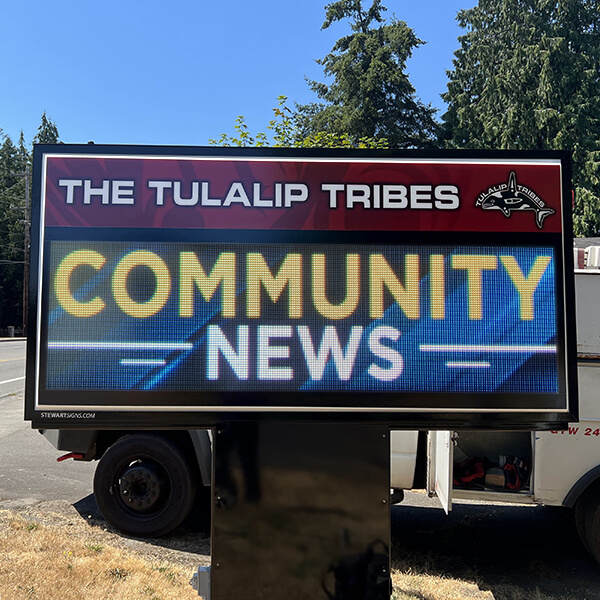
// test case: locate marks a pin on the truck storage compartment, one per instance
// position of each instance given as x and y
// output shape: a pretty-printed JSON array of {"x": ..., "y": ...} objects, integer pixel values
[
  {"x": 498, "y": 461},
  {"x": 403, "y": 448}
]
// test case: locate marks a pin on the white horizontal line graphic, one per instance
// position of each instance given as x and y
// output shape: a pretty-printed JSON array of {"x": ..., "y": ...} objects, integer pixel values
[
  {"x": 468, "y": 365},
  {"x": 134, "y": 362},
  {"x": 120, "y": 345},
  {"x": 528, "y": 349}
]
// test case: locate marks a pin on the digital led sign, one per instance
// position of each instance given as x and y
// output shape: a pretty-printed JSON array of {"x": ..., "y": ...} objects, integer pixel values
[{"x": 181, "y": 285}]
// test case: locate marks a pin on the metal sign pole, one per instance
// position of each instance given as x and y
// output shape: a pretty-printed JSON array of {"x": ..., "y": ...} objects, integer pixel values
[{"x": 301, "y": 510}]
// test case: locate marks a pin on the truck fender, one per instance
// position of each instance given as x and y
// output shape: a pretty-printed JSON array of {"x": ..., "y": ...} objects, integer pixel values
[
  {"x": 203, "y": 449},
  {"x": 582, "y": 484},
  {"x": 81, "y": 441}
]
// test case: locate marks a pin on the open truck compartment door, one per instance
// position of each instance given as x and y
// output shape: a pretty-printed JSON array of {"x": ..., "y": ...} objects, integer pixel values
[
  {"x": 440, "y": 463},
  {"x": 493, "y": 466}
]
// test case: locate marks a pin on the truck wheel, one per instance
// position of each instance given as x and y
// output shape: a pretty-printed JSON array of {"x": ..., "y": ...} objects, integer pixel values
[
  {"x": 592, "y": 522},
  {"x": 144, "y": 485},
  {"x": 581, "y": 508},
  {"x": 199, "y": 519}
]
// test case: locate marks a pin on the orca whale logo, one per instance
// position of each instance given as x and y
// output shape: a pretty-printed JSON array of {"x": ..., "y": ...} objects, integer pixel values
[{"x": 510, "y": 197}]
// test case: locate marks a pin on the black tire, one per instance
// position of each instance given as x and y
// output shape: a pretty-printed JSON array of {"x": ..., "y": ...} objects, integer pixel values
[
  {"x": 592, "y": 521},
  {"x": 144, "y": 486},
  {"x": 580, "y": 515},
  {"x": 199, "y": 519}
]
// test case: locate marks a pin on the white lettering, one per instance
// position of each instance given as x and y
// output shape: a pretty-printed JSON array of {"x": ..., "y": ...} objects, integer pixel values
[
  {"x": 420, "y": 196},
  {"x": 70, "y": 184},
  {"x": 160, "y": 187},
  {"x": 218, "y": 344},
  {"x": 205, "y": 200},
  {"x": 446, "y": 197},
  {"x": 265, "y": 352},
  {"x": 394, "y": 196},
  {"x": 256, "y": 197},
  {"x": 295, "y": 192},
  {"x": 358, "y": 193},
  {"x": 179, "y": 200},
  {"x": 386, "y": 353},
  {"x": 333, "y": 189},
  {"x": 237, "y": 193},
  {"x": 122, "y": 192},
  {"x": 330, "y": 344},
  {"x": 89, "y": 191}
]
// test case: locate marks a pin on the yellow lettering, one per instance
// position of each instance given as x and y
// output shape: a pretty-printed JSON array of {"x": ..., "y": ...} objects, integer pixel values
[
  {"x": 407, "y": 295},
  {"x": 62, "y": 280},
  {"x": 437, "y": 286},
  {"x": 526, "y": 286},
  {"x": 349, "y": 304},
  {"x": 156, "y": 264},
  {"x": 475, "y": 264},
  {"x": 259, "y": 275},
  {"x": 191, "y": 275}
]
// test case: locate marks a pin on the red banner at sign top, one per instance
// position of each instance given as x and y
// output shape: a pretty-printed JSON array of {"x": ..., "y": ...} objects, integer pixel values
[{"x": 304, "y": 194}]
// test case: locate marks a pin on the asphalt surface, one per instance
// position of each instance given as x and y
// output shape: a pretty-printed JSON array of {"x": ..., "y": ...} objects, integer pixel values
[
  {"x": 29, "y": 472},
  {"x": 12, "y": 367}
]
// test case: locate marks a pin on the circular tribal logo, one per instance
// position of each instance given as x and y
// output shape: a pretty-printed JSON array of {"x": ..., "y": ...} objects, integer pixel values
[{"x": 509, "y": 197}]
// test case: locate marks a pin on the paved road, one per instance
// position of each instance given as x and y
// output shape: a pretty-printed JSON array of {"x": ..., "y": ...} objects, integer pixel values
[
  {"x": 12, "y": 367},
  {"x": 29, "y": 472}
]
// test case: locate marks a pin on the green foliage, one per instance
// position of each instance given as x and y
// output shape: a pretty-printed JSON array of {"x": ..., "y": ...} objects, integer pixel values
[
  {"x": 242, "y": 138},
  {"x": 586, "y": 213},
  {"x": 15, "y": 162},
  {"x": 286, "y": 134},
  {"x": 586, "y": 216},
  {"x": 47, "y": 132},
  {"x": 370, "y": 95},
  {"x": 526, "y": 77},
  {"x": 12, "y": 194}
]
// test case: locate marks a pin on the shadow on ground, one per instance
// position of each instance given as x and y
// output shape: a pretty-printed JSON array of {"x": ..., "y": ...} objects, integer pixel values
[
  {"x": 497, "y": 547},
  {"x": 511, "y": 551},
  {"x": 191, "y": 537}
]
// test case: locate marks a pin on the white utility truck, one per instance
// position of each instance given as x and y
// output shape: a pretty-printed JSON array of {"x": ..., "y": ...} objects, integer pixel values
[
  {"x": 137, "y": 492},
  {"x": 553, "y": 468}
]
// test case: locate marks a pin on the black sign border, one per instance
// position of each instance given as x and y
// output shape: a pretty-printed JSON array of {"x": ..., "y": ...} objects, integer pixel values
[{"x": 430, "y": 411}]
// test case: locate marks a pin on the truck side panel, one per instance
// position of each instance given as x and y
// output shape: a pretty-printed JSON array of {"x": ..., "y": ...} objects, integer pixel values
[{"x": 563, "y": 457}]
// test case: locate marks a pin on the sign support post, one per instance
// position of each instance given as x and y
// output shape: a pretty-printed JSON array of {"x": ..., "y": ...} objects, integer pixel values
[{"x": 301, "y": 511}]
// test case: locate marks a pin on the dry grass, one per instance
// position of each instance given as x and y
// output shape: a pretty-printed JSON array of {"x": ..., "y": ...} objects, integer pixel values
[
  {"x": 418, "y": 583},
  {"x": 419, "y": 586},
  {"x": 51, "y": 553},
  {"x": 44, "y": 562},
  {"x": 409, "y": 585}
]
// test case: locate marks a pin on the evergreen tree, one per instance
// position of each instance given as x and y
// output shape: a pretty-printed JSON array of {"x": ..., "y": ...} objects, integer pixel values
[
  {"x": 23, "y": 156},
  {"x": 15, "y": 164},
  {"x": 526, "y": 77},
  {"x": 11, "y": 236},
  {"x": 47, "y": 132},
  {"x": 370, "y": 95}
]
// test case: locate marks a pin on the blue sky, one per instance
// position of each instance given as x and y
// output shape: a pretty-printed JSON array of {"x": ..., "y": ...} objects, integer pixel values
[{"x": 180, "y": 72}]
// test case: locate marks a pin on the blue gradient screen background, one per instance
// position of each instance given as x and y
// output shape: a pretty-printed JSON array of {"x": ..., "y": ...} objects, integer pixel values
[{"x": 111, "y": 350}]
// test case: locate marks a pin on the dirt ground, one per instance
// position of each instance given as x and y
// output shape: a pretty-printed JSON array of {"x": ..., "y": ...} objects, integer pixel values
[
  {"x": 185, "y": 548},
  {"x": 479, "y": 552}
]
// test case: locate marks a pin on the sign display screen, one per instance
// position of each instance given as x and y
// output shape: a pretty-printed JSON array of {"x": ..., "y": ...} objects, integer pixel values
[
  {"x": 299, "y": 317},
  {"x": 178, "y": 289}
]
